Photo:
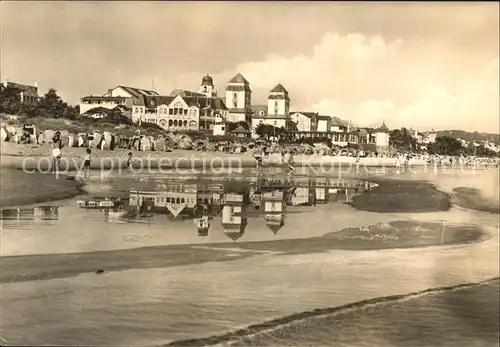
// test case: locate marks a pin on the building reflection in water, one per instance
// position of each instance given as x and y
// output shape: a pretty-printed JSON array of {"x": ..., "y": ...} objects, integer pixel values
[
  {"x": 235, "y": 203},
  {"x": 17, "y": 217},
  {"x": 234, "y": 217}
]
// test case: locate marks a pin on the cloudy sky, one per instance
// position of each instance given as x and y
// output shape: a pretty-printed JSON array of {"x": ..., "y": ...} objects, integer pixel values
[{"x": 421, "y": 65}]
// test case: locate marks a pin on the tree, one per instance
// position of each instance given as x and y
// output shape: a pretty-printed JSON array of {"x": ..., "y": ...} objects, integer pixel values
[
  {"x": 52, "y": 106},
  {"x": 401, "y": 139},
  {"x": 10, "y": 100},
  {"x": 445, "y": 145}
]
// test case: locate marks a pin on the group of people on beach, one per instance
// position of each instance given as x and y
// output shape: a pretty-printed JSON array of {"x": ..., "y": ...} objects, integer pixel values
[
  {"x": 286, "y": 159},
  {"x": 57, "y": 146}
]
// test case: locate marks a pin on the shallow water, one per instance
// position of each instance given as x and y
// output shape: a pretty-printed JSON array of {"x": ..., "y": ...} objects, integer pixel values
[{"x": 154, "y": 306}]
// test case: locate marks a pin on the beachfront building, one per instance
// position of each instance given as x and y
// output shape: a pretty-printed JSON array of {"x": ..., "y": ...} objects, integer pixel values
[
  {"x": 27, "y": 92},
  {"x": 238, "y": 100},
  {"x": 182, "y": 113},
  {"x": 184, "y": 110},
  {"x": 310, "y": 125},
  {"x": 426, "y": 137},
  {"x": 277, "y": 113},
  {"x": 128, "y": 100},
  {"x": 234, "y": 220},
  {"x": 274, "y": 209}
]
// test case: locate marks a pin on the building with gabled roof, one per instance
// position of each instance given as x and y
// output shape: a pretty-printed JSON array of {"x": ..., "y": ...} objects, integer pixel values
[
  {"x": 131, "y": 98},
  {"x": 182, "y": 113}
]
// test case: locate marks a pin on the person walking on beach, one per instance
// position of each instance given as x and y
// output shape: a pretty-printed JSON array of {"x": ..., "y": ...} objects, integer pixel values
[
  {"x": 129, "y": 161},
  {"x": 86, "y": 163},
  {"x": 257, "y": 155},
  {"x": 287, "y": 159},
  {"x": 56, "y": 152}
]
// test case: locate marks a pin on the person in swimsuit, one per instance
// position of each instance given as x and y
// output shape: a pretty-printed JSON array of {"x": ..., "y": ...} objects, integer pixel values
[
  {"x": 56, "y": 152},
  {"x": 86, "y": 163},
  {"x": 257, "y": 155},
  {"x": 129, "y": 161},
  {"x": 287, "y": 159}
]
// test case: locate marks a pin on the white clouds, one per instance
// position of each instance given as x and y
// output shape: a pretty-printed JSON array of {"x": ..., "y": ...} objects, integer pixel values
[{"x": 368, "y": 79}]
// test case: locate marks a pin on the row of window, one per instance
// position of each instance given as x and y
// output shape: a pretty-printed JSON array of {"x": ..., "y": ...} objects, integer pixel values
[
  {"x": 171, "y": 111},
  {"x": 178, "y": 123}
]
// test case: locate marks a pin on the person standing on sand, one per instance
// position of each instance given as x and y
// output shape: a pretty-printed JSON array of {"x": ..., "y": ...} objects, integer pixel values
[
  {"x": 257, "y": 155},
  {"x": 129, "y": 161},
  {"x": 86, "y": 163},
  {"x": 287, "y": 159},
  {"x": 56, "y": 152}
]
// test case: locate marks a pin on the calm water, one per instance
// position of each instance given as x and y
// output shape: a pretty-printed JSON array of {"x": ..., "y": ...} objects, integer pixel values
[{"x": 154, "y": 306}]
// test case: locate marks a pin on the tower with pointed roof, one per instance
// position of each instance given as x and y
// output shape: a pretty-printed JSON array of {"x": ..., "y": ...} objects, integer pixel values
[
  {"x": 238, "y": 99},
  {"x": 278, "y": 107},
  {"x": 207, "y": 87},
  {"x": 278, "y": 102}
]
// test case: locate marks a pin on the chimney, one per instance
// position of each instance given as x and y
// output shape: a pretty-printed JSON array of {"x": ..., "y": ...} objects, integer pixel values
[
  {"x": 35, "y": 84},
  {"x": 110, "y": 92}
]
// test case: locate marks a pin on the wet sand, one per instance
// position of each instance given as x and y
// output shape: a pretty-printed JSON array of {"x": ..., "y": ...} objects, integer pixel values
[
  {"x": 398, "y": 234},
  {"x": 20, "y": 188},
  {"x": 342, "y": 326}
]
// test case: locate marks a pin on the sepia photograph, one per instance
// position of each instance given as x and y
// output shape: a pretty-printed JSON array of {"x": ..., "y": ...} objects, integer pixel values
[{"x": 249, "y": 173}]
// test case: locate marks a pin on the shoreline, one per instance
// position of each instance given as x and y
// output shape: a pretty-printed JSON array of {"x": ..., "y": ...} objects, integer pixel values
[
  {"x": 20, "y": 188},
  {"x": 268, "y": 327}
]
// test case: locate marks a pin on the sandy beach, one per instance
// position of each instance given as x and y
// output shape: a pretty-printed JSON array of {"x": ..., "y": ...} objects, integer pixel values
[
  {"x": 419, "y": 195},
  {"x": 38, "y": 158}
]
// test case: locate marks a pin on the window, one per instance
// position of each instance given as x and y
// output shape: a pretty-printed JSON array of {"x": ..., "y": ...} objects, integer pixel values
[
  {"x": 185, "y": 111},
  {"x": 175, "y": 122},
  {"x": 170, "y": 122},
  {"x": 136, "y": 110},
  {"x": 235, "y": 100},
  {"x": 185, "y": 123},
  {"x": 170, "y": 111},
  {"x": 205, "y": 89},
  {"x": 222, "y": 128},
  {"x": 275, "y": 107},
  {"x": 275, "y": 122}
]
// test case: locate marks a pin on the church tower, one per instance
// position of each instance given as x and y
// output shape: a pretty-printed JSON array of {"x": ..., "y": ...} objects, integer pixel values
[
  {"x": 238, "y": 99},
  {"x": 207, "y": 87}
]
